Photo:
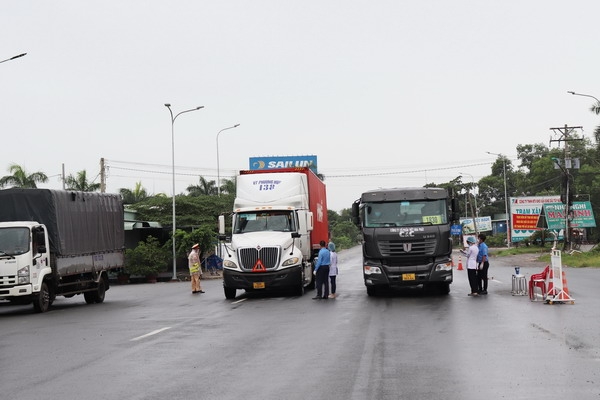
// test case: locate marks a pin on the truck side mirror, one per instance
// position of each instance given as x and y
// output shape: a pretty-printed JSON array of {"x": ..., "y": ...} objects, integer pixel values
[
  {"x": 356, "y": 212},
  {"x": 41, "y": 249}
]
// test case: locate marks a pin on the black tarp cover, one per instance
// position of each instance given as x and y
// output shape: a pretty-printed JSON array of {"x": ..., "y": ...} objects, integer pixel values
[{"x": 77, "y": 222}]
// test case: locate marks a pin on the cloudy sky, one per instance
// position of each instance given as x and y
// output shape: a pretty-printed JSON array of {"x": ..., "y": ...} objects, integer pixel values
[{"x": 384, "y": 92}]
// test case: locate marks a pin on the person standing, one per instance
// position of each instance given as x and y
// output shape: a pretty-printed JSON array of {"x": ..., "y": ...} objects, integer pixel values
[
  {"x": 482, "y": 265},
  {"x": 194, "y": 266},
  {"x": 333, "y": 269},
  {"x": 322, "y": 272},
  {"x": 471, "y": 254}
]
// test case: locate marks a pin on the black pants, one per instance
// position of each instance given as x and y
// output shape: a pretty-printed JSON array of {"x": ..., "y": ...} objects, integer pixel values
[
  {"x": 473, "y": 279},
  {"x": 332, "y": 283},
  {"x": 322, "y": 279},
  {"x": 482, "y": 274}
]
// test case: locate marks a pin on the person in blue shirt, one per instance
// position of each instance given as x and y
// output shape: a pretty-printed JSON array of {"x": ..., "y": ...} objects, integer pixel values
[
  {"x": 322, "y": 272},
  {"x": 482, "y": 264}
]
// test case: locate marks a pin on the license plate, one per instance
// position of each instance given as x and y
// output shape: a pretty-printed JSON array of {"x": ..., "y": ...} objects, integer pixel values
[
  {"x": 258, "y": 285},
  {"x": 408, "y": 277}
]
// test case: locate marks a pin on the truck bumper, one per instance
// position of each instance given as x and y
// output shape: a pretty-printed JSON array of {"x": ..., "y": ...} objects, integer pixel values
[
  {"x": 256, "y": 280},
  {"x": 397, "y": 277},
  {"x": 15, "y": 291}
]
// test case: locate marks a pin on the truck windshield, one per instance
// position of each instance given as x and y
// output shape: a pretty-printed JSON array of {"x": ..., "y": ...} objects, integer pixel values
[
  {"x": 14, "y": 241},
  {"x": 264, "y": 221},
  {"x": 405, "y": 213}
]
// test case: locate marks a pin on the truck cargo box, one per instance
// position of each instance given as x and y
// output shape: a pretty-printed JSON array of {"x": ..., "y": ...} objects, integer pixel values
[{"x": 77, "y": 222}]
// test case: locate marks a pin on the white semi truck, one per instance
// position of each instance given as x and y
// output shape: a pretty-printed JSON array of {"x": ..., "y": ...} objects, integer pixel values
[
  {"x": 58, "y": 243},
  {"x": 279, "y": 218}
]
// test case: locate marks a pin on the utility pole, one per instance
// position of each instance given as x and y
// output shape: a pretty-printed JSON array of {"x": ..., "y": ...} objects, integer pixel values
[
  {"x": 567, "y": 198},
  {"x": 102, "y": 177}
]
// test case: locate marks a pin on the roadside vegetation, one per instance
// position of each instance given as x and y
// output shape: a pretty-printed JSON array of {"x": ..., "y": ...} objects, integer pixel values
[{"x": 576, "y": 259}]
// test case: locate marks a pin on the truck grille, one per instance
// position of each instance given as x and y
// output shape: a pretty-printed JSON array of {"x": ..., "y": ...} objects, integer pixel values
[
  {"x": 8, "y": 280},
  {"x": 397, "y": 248},
  {"x": 269, "y": 256}
]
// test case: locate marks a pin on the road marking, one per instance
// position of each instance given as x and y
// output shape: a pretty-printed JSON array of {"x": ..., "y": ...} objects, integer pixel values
[
  {"x": 150, "y": 334},
  {"x": 239, "y": 301}
]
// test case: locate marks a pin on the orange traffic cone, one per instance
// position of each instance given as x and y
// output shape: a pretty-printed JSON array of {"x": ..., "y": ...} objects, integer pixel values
[
  {"x": 564, "y": 293},
  {"x": 460, "y": 267},
  {"x": 551, "y": 290}
]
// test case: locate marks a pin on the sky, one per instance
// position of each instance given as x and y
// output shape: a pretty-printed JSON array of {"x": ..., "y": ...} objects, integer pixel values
[{"x": 386, "y": 93}]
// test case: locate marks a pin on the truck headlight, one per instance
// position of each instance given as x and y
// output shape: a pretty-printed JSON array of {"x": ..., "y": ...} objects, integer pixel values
[
  {"x": 229, "y": 264},
  {"x": 370, "y": 269},
  {"x": 23, "y": 275},
  {"x": 290, "y": 261},
  {"x": 444, "y": 266}
]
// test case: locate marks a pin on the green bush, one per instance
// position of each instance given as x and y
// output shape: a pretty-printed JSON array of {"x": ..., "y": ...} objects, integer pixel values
[{"x": 147, "y": 258}]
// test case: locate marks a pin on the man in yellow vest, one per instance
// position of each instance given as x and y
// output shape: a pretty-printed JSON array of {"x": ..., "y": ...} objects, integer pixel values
[{"x": 194, "y": 265}]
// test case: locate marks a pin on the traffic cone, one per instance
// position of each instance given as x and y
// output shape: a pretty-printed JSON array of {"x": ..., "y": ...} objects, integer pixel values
[
  {"x": 564, "y": 293},
  {"x": 460, "y": 267},
  {"x": 550, "y": 287}
]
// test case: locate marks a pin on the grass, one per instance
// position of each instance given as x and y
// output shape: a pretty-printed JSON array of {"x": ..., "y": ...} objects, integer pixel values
[{"x": 576, "y": 260}]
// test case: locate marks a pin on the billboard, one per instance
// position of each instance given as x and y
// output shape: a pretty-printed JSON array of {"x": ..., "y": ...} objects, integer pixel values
[
  {"x": 276, "y": 162},
  {"x": 484, "y": 224},
  {"x": 525, "y": 213},
  {"x": 582, "y": 215}
]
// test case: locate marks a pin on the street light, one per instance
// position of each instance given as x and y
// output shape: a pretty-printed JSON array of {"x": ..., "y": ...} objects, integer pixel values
[
  {"x": 218, "y": 170},
  {"x": 475, "y": 199},
  {"x": 585, "y": 95},
  {"x": 505, "y": 199},
  {"x": 173, "y": 171},
  {"x": 13, "y": 57}
]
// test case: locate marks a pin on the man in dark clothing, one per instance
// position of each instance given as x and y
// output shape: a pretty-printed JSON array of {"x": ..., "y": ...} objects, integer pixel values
[{"x": 322, "y": 272}]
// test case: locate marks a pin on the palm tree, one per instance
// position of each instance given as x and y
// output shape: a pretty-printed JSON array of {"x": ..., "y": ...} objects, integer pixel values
[
  {"x": 228, "y": 186},
  {"x": 81, "y": 183},
  {"x": 204, "y": 188},
  {"x": 21, "y": 178},
  {"x": 134, "y": 196},
  {"x": 596, "y": 109}
]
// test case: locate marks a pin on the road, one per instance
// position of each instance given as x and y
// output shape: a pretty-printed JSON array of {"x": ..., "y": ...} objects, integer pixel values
[{"x": 158, "y": 341}]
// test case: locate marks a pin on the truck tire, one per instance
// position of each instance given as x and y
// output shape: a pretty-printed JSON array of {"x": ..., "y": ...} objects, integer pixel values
[
  {"x": 444, "y": 288},
  {"x": 229, "y": 292},
  {"x": 41, "y": 301},
  {"x": 98, "y": 295},
  {"x": 371, "y": 291}
]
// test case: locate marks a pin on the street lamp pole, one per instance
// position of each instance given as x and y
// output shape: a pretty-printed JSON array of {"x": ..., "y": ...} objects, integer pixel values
[
  {"x": 173, "y": 175},
  {"x": 475, "y": 200},
  {"x": 13, "y": 57},
  {"x": 218, "y": 168},
  {"x": 505, "y": 199}
]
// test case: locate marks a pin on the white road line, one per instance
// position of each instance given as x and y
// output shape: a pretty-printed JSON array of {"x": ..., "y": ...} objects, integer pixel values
[
  {"x": 150, "y": 334},
  {"x": 239, "y": 301}
]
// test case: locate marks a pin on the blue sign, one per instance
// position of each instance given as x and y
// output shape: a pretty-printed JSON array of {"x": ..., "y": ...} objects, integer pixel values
[
  {"x": 262, "y": 163},
  {"x": 456, "y": 230}
]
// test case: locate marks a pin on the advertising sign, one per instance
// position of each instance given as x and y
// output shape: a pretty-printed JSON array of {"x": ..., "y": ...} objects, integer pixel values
[
  {"x": 484, "y": 224},
  {"x": 582, "y": 215},
  {"x": 525, "y": 213},
  {"x": 276, "y": 162}
]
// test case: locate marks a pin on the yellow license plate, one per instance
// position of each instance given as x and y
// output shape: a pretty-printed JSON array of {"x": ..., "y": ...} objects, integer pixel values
[
  {"x": 408, "y": 277},
  {"x": 258, "y": 285}
]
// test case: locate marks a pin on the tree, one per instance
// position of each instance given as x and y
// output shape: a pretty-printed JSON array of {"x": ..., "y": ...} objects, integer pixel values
[
  {"x": 80, "y": 182},
  {"x": 228, "y": 186},
  {"x": 204, "y": 188},
  {"x": 134, "y": 196},
  {"x": 22, "y": 179}
]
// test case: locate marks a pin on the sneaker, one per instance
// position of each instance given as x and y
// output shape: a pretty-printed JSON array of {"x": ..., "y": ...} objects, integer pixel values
[
  {"x": 317, "y": 298},
  {"x": 483, "y": 292},
  {"x": 332, "y": 296}
]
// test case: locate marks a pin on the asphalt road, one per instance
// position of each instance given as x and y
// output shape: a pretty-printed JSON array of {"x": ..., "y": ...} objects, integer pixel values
[{"x": 158, "y": 341}]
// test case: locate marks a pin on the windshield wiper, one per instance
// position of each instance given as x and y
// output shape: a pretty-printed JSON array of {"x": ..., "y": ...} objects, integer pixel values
[{"x": 3, "y": 254}]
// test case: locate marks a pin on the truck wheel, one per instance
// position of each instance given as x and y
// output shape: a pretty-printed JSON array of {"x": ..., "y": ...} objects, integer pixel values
[
  {"x": 96, "y": 296},
  {"x": 41, "y": 301},
  {"x": 444, "y": 288},
  {"x": 298, "y": 290},
  {"x": 371, "y": 291},
  {"x": 229, "y": 293}
]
